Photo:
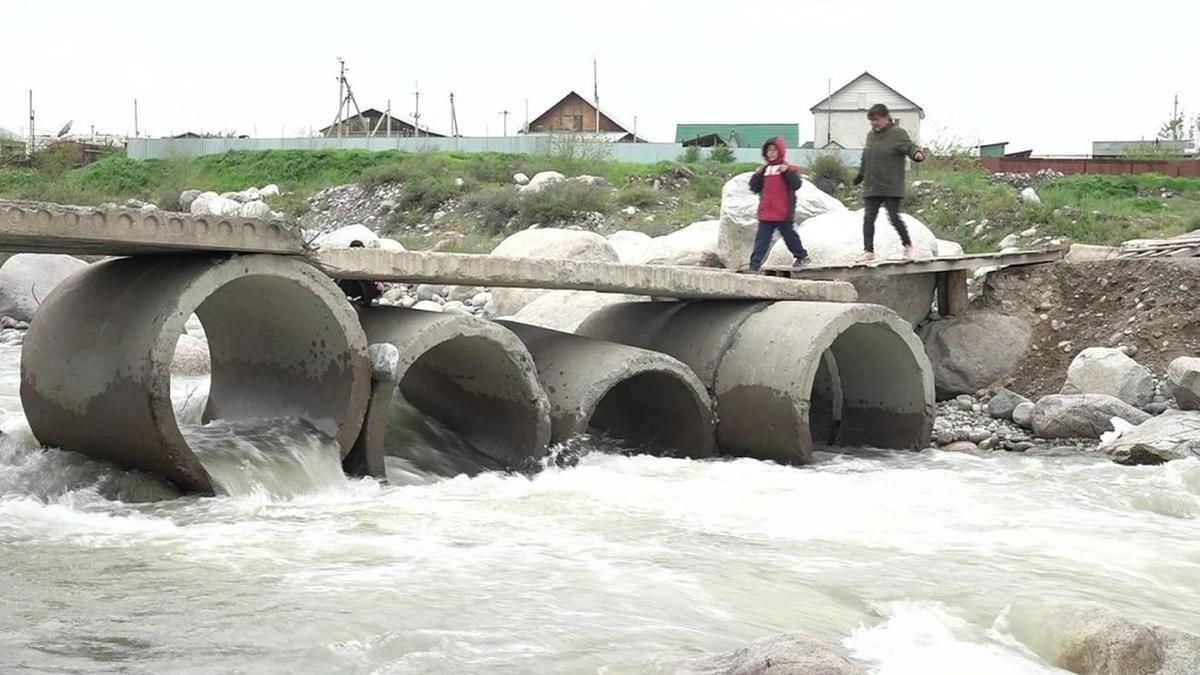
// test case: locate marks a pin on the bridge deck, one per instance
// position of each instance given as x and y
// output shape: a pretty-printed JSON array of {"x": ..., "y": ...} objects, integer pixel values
[
  {"x": 883, "y": 268},
  {"x": 492, "y": 271}
]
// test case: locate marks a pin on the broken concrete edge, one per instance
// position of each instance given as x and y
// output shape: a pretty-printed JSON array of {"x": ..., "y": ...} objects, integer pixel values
[
  {"x": 45, "y": 228},
  {"x": 366, "y": 458},
  {"x": 597, "y": 368},
  {"x": 414, "y": 333},
  {"x": 122, "y": 411},
  {"x": 491, "y": 271}
]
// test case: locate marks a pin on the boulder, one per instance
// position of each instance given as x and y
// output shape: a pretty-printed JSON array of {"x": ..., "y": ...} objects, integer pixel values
[
  {"x": 784, "y": 654},
  {"x": 249, "y": 195},
  {"x": 255, "y": 209},
  {"x": 191, "y": 356},
  {"x": 1183, "y": 382},
  {"x": 1091, "y": 639},
  {"x": 429, "y": 291},
  {"x": 1081, "y": 415},
  {"x": 835, "y": 238},
  {"x": 1022, "y": 414},
  {"x": 215, "y": 206},
  {"x": 390, "y": 244},
  {"x": 540, "y": 181},
  {"x": 1175, "y": 434},
  {"x": 1010, "y": 241},
  {"x": 271, "y": 190},
  {"x": 574, "y": 245},
  {"x": 1003, "y": 404},
  {"x": 739, "y": 216},
  {"x": 520, "y": 178},
  {"x": 693, "y": 246},
  {"x": 974, "y": 351},
  {"x": 1030, "y": 196},
  {"x": 946, "y": 248},
  {"x": 1101, "y": 370},
  {"x": 630, "y": 246},
  {"x": 427, "y": 306},
  {"x": 566, "y": 310},
  {"x": 186, "y": 198},
  {"x": 27, "y": 278},
  {"x": 341, "y": 237}
]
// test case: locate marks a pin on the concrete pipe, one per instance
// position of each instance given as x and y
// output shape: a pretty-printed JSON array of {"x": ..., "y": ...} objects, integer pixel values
[
  {"x": 644, "y": 398},
  {"x": 471, "y": 376},
  {"x": 787, "y": 373},
  {"x": 95, "y": 370}
]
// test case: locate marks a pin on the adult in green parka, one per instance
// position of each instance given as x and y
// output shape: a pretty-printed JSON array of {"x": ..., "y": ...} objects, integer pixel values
[{"x": 881, "y": 173}]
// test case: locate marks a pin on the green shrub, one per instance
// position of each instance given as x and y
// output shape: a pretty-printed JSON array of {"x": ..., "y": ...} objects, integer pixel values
[
  {"x": 722, "y": 154},
  {"x": 15, "y": 180},
  {"x": 560, "y": 202},
  {"x": 427, "y": 193},
  {"x": 691, "y": 154},
  {"x": 413, "y": 167},
  {"x": 829, "y": 168},
  {"x": 494, "y": 207},
  {"x": 638, "y": 195},
  {"x": 707, "y": 186}
]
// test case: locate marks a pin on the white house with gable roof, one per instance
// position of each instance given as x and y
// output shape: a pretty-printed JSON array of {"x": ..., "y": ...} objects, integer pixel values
[{"x": 840, "y": 120}]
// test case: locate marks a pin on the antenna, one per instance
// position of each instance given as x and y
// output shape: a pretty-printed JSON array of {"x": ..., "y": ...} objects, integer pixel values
[
  {"x": 505, "y": 114},
  {"x": 453, "y": 118}
]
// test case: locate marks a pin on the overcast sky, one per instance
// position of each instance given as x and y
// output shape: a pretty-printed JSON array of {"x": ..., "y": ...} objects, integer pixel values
[{"x": 1048, "y": 75}]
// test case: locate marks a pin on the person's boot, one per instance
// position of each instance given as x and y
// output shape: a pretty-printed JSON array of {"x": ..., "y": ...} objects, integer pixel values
[{"x": 865, "y": 257}]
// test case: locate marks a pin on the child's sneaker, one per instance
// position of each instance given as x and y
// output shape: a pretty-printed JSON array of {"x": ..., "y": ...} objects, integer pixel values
[
  {"x": 801, "y": 262},
  {"x": 865, "y": 257}
]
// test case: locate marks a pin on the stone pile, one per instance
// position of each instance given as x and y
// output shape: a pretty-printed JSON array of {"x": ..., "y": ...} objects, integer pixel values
[
  {"x": 1021, "y": 181},
  {"x": 249, "y": 203}
]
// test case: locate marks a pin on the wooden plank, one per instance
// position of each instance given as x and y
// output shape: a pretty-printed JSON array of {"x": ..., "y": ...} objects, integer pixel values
[{"x": 955, "y": 287}]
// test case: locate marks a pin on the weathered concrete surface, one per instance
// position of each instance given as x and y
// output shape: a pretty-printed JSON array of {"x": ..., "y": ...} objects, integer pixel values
[
  {"x": 494, "y": 271},
  {"x": 53, "y": 228},
  {"x": 786, "y": 373},
  {"x": 366, "y": 458},
  {"x": 472, "y": 376},
  {"x": 645, "y": 398},
  {"x": 95, "y": 370}
]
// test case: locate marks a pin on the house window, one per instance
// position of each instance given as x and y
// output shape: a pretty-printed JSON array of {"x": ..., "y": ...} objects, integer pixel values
[
  {"x": 897, "y": 120},
  {"x": 862, "y": 100}
]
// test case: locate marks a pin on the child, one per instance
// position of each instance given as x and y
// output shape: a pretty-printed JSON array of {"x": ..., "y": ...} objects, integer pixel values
[
  {"x": 776, "y": 183},
  {"x": 881, "y": 174}
]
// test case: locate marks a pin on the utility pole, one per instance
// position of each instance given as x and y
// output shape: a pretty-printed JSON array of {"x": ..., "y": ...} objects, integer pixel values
[
  {"x": 417, "y": 110},
  {"x": 389, "y": 119},
  {"x": 635, "y": 129},
  {"x": 828, "y": 111},
  {"x": 596, "y": 91},
  {"x": 341, "y": 94},
  {"x": 29, "y": 150},
  {"x": 136, "y": 133},
  {"x": 525, "y": 128},
  {"x": 453, "y": 118},
  {"x": 505, "y": 114}
]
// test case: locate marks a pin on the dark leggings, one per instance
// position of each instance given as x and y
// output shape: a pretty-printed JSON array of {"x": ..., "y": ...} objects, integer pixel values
[{"x": 892, "y": 204}]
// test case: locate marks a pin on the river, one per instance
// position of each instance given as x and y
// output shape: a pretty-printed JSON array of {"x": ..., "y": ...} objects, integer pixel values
[{"x": 618, "y": 564}]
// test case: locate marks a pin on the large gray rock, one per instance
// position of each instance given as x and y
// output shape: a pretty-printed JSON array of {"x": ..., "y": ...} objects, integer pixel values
[
  {"x": 255, "y": 209},
  {"x": 1022, "y": 414},
  {"x": 27, "y": 278},
  {"x": 565, "y": 310},
  {"x": 1101, "y": 370},
  {"x": 1091, "y": 639},
  {"x": 1183, "y": 381},
  {"x": 573, "y": 245},
  {"x": 186, "y": 198},
  {"x": 1081, "y": 415},
  {"x": 693, "y": 246},
  {"x": 1004, "y": 403},
  {"x": 739, "y": 216},
  {"x": 344, "y": 236},
  {"x": 784, "y": 654},
  {"x": 1172, "y": 435},
  {"x": 204, "y": 205},
  {"x": 974, "y": 351},
  {"x": 541, "y": 180},
  {"x": 630, "y": 246},
  {"x": 835, "y": 238}
]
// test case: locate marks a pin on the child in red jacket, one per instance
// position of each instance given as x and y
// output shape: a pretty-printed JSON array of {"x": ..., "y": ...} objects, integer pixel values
[{"x": 776, "y": 183}]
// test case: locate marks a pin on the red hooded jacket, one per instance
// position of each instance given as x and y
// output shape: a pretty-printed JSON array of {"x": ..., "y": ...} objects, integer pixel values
[{"x": 776, "y": 186}]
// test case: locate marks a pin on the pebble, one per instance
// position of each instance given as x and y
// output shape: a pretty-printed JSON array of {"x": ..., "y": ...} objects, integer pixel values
[{"x": 965, "y": 402}]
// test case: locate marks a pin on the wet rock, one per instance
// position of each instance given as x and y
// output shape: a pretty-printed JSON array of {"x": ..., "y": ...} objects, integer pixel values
[
  {"x": 1183, "y": 382},
  {"x": 1101, "y": 370},
  {"x": 1091, "y": 639},
  {"x": 1022, "y": 414},
  {"x": 974, "y": 351},
  {"x": 1175, "y": 434},
  {"x": 784, "y": 654},
  {"x": 1081, "y": 415},
  {"x": 978, "y": 435},
  {"x": 960, "y": 446},
  {"x": 27, "y": 278},
  {"x": 1001, "y": 405}
]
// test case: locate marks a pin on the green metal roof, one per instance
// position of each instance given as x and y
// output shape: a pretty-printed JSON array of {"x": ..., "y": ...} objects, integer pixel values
[{"x": 748, "y": 135}]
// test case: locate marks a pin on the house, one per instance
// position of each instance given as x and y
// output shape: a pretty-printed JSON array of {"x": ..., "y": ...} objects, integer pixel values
[
  {"x": 841, "y": 118},
  {"x": 575, "y": 114},
  {"x": 992, "y": 149},
  {"x": 372, "y": 122},
  {"x": 736, "y": 135}
]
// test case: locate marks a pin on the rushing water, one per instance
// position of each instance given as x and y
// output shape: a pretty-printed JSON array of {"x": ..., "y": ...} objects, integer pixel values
[{"x": 617, "y": 564}]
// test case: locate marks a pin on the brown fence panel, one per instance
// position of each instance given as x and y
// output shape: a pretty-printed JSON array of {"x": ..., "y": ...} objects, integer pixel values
[{"x": 1183, "y": 167}]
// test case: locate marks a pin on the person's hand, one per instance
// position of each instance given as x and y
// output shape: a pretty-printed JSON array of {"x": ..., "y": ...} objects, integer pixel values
[
  {"x": 919, "y": 156},
  {"x": 760, "y": 169},
  {"x": 379, "y": 286}
]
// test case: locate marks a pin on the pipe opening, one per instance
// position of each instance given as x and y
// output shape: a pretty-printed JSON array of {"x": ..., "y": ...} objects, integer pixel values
[
  {"x": 655, "y": 412},
  {"x": 883, "y": 392}
]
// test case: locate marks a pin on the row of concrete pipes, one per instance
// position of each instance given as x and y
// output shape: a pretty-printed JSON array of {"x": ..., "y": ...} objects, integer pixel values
[{"x": 694, "y": 379}]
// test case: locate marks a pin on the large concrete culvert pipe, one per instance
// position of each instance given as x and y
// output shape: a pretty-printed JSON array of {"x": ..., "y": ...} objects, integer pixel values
[
  {"x": 646, "y": 399},
  {"x": 95, "y": 369},
  {"x": 472, "y": 376},
  {"x": 787, "y": 373}
]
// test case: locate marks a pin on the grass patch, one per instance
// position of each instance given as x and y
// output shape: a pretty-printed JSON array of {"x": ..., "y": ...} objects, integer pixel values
[
  {"x": 640, "y": 196},
  {"x": 563, "y": 202},
  {"x": 494, "y": 207}
]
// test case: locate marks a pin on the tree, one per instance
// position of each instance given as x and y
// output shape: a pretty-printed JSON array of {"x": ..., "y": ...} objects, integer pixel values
[{"x": 1174, "y": 129}]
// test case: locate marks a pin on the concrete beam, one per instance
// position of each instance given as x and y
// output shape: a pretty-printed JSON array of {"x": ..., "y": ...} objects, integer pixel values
[
  {"x": 471, "y": 376},
  {"x": 40, "y": 227},
  {"x": 646, "y": 399},
  {"x": 655, "y": 280},
  {"x": 886, "y": 268},
  {"x": 95, "y": 369}
]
